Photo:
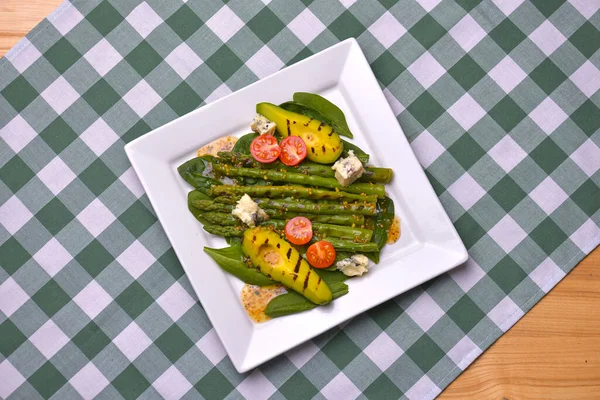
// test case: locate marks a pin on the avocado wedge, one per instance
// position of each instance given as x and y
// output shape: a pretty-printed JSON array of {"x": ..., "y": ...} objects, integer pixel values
[
  {"x": 322, "y": 142},
  {"x": 279, "y": 261}
]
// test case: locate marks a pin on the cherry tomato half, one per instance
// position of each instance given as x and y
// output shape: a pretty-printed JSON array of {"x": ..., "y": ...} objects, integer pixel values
[
  {"x": 298, "y": 230},
  {"x": 321, "y": 254},
  {"x": 293, "y": 150},
  {"x": 265, "y": 148}
]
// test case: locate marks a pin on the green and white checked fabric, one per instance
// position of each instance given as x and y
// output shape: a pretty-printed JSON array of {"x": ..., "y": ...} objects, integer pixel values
[{"x": 499, "y": 98}]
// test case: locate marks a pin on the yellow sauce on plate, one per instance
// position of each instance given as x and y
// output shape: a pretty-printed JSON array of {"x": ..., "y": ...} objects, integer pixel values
[
  {"x": 256, "y": 298},
  {"x": 224, "y": 143},
  {"x": 394, "y": 233}
]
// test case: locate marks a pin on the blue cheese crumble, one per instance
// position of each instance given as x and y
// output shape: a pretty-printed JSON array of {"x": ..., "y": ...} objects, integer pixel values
[
  {"x": 248, "y": 211},
  {"x": 348, "y": 169},
  {"x": 260, "y": 124},
  {"x": 357, "y": 265}
]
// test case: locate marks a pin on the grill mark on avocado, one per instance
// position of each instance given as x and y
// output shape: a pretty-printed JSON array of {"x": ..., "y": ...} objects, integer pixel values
[
  {"x": 312, "y": 149},
  {"x": 278, "y": 245},
  {"x": 267, "y": 241},
  {"x": 309, "y": 121},
  {"x": 319, "y": 282},
  {"x": 330, "y": 133},
  {"x": 288, "y": 127},
  {"x": 254, "y": 238},
  {"x": 297, "y": 267},
  {"x": 306, "y": 280},
  {"x": 320, "y": 126},
  {"x": 324, "y": 149},
  {"x": 289, "y": 253}
]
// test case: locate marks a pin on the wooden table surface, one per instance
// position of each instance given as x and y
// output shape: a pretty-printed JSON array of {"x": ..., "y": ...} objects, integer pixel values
[{"x": 551, "y": 353}]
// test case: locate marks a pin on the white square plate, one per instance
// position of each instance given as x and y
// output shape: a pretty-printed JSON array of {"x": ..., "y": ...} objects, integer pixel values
[{"x": 429, "y": 244}]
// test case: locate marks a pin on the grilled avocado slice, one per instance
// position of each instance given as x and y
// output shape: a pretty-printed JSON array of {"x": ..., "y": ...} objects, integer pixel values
[
  {"x": 279, "y": 261},
  {"x": 322, "y": 142}
]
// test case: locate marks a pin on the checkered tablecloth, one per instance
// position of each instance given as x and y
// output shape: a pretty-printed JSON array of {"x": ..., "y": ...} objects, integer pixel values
[{"x": 499, "y": 99}]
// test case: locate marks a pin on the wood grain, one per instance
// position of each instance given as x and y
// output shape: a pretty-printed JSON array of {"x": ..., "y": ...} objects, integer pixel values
[
  {"x": 18, "y": 17},
  {"x": 552, "y": 353}
]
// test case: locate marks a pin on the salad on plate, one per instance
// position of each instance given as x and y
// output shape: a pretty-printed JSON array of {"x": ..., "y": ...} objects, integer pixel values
[{"x": 301, "y": 208}]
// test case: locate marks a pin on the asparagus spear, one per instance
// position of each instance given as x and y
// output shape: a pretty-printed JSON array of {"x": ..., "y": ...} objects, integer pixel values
[
  {"x": 344, "y": 219},
  {"x": 226, "y": 200},
  {"x": 300, "y": 179},
  {"x": 226, "y": 219},
  {"x": 246, "y": 160},
  {"x": 300, "y": 192},
  {"x": 238, "y": 230},
  {"x": 282, "y": 209},
  {"x": 210, "y": 205},
  {"x": 220, "y": 218},
  {"x": 226, "y": 231},
  {"x": 377, "y": 174},
  {"x": 198, "y": 214},
  {"x": 328, "y": 231},
  {"x": 311, "y": 207},
  {"x": 342, "y": 232},
  {"x": 318, "y": 208},
  {"x": 372, "y": 174},
  {"x": 348, "y": 245},
  {"x": 195, "y": 195}
]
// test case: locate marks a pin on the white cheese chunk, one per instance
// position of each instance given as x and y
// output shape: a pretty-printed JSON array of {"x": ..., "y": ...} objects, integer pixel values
[
  {"x": 348, "y": 169},
  {"x": 261, "y": 124},
  {"x": 357, "y": 265},
  {"x": 248, "y": 211}
]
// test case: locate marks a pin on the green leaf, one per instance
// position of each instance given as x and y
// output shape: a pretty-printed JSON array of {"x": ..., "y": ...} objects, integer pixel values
[
  {"x": 331, "y": 277},
  {"x": 358, "y": 152},
  {"x": 197, "y": 195},
  {"x": 288, "y": 303},
  {"x": 234, "y": 241},
  {"x": 197, "y": 213},
  {"x": 383, "y": 222},
  {"x": 330, "y": 111},
  {"x": 314, "y": 114},
  {"x": 333, "y": 267},
  {"x": 189, "y": 167},
  {"x": 293, "y": 302},
  {"x": 242, "y": 146},
  {"x": 243, "y": 143},
  {"x": 192, "y": 171},
  {"x": 230, "y": 259},
  {"x": 338, "y": 289},
  {"x": 374, "y": 257}
]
